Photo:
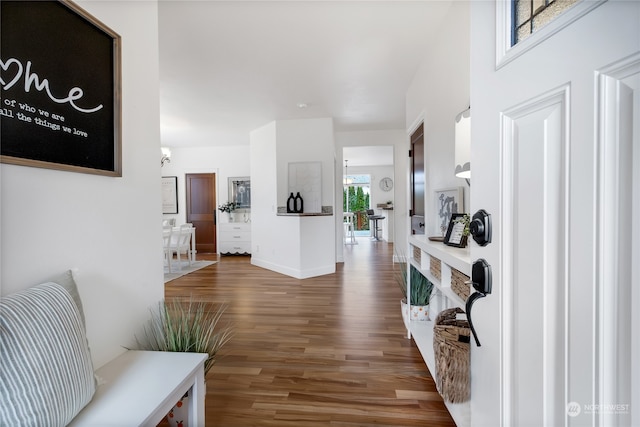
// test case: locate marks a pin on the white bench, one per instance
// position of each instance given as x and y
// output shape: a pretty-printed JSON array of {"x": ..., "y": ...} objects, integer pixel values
[
  {"x": 139, "y": 388},
  {"x": 47, "y": 376}
]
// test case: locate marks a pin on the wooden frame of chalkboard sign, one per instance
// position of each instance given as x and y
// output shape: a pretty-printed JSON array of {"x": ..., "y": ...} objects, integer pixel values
[{"x": 60, "y": 105}]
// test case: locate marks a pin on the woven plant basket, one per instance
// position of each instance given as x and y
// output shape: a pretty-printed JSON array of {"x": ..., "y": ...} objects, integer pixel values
[{"x": 451, "y": 349}]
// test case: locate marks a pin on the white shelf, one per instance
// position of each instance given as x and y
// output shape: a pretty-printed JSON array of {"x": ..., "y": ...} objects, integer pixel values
[
  {"x": 422, "y": 331},
  {"x": 457, "y": 258}
]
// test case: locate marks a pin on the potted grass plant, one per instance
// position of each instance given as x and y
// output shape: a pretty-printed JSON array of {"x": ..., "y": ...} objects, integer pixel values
[
  {"x": 421, "y": 289},
  {"x": 185, "y": 326}
]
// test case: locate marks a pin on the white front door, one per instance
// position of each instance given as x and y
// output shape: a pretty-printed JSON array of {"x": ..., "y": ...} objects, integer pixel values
[{"x": 556, "y": 162}]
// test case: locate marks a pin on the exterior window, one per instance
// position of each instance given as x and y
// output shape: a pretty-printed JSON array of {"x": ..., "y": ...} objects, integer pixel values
[
  {"x": 356, "y": 198},
  {"x": 531, "y": 15}
]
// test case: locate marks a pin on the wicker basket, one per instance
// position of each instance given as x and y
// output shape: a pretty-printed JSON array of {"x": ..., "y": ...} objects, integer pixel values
[
  {"x": 458, "y": 284},
  {"x": 417, "y": 254},
  {"x": 434, "y": 267},
  {"x": 451, "y": 350}
]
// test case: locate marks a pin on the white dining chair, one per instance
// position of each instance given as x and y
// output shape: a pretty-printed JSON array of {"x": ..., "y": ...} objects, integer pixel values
[
  {"x": 349, "y": 230},
  {"x": 181, "y": 244},
  {"x": 167, "y": 234}
]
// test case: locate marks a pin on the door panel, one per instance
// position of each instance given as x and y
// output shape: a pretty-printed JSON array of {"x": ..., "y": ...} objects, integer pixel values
[
  {"x": 417, "y": 183},
  {"x": 535, "y": 179},
  {"x": 201, "y": 209},
  {"x": 554, "y": 135}
]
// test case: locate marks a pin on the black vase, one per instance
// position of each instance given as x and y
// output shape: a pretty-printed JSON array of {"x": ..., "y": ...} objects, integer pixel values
[
  {"x": 291, "y": 204},
  {"x": 299, "y": 204}
]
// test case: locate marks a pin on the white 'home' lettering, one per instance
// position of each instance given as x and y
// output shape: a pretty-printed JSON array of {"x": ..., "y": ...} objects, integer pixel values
[{"x": 33, "y": 80}]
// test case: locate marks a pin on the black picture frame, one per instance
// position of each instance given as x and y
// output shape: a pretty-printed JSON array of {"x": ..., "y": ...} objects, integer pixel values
[
  {"x": 454, "y": 236},
  {"x": 169, "y": 194},
  {"x": 61, "y": 88}
]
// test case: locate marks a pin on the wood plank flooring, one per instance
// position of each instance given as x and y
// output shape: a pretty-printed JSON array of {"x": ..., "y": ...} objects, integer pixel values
[{"x": 325, "y": 351}]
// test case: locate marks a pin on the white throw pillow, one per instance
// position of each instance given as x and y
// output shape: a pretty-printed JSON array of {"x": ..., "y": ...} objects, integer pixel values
[{"x": 46, "y": 374}]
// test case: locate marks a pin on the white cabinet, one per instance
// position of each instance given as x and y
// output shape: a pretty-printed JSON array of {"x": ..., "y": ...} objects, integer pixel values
[
  {"x": 442, "y": 265},
  {"x": 234, "y": 238}
]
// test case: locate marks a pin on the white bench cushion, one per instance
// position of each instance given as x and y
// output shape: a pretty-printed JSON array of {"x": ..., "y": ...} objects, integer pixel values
[{"x": 47, "y": 374}]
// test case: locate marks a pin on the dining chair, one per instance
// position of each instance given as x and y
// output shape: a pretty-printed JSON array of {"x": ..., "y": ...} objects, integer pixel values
[
  {"x": 349, "y": 231},
  {"x": 179, "y": 243},
  {"x": 167, "y": 234}
]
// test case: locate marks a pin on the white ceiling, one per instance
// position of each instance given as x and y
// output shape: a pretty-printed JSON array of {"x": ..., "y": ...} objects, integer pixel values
[
  {"x": 229, "y": 67},
  {"x": 368, "y": 155}
]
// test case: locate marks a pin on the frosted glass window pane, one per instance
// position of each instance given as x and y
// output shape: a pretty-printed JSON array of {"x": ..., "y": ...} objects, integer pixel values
[{"x": 531, "y": 15}]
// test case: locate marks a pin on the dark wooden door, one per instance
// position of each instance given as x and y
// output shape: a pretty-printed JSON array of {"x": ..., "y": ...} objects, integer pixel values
[
  {"x": 201, "y": 209},
  {"x": 417, "y": 181}
]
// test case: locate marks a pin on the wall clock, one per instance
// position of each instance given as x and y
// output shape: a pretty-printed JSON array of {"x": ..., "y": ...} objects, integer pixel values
[{"x": 386, "y": 184}]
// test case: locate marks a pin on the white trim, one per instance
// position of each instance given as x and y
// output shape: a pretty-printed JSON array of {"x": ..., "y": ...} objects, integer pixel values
[
  {"x": 610, "y": 116},
  {"x": 420, "y": 119},
  {"x": 506, "y": 53}
]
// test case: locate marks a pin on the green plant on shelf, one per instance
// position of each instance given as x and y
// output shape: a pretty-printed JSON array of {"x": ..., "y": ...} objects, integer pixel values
[
  {"x": 465, "y": 219},
  {"x": 421, "y": 287}
]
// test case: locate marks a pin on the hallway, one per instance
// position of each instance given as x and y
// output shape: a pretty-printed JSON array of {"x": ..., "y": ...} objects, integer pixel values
[{"x": 323, "y": 351}]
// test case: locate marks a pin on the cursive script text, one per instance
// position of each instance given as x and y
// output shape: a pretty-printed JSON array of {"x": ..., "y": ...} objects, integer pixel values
[{"x": 32, "y": 80}]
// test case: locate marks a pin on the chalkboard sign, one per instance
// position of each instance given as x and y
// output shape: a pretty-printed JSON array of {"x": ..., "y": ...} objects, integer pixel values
[{"x": 60, "y": 97}]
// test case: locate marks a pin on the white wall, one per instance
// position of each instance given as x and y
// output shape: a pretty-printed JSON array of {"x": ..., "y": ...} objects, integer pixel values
[
  {"x": 438, "y": 92},
  {"x": 297, "y": 246},
  {"x": 224, "y": 161},
  {"x": 108, "y": 228},
  {"x": 307, "y": 140}
]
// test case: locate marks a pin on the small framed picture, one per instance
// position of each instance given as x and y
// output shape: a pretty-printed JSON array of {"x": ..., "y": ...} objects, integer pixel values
[
  {"x": 169, "y": 194},
  {"x": 455, "y": 233}
]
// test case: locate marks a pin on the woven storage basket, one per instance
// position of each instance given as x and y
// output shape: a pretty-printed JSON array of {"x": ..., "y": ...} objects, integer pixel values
[
  {"x": 458, "y": 284},
  {"x": 417, "y": 254},
  {"x": 451, "y": 350},
  {"x": 434, "y": 267}
]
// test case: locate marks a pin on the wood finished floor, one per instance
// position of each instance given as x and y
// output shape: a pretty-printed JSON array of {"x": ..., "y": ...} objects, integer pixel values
[{"x": 325, "y": 351}]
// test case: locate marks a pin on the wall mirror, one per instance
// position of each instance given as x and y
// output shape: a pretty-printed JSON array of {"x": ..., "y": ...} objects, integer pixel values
[{"x": 240, "y": 192}]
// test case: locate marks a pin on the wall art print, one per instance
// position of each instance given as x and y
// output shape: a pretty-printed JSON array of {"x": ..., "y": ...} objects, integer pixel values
[
  {"x": 447, "y": 201},
  {"x": 60, "y": 88}
]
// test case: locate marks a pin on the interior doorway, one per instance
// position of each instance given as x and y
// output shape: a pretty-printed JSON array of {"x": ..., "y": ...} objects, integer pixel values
[
  {"x": 201, "y": 209},
  {"x": 417, "y": 181},
  {"x": 368, "y": 176}
]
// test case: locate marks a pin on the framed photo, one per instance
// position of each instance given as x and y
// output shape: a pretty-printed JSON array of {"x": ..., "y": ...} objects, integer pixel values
[
  {"x": 169, "y": 194},
  {"x": 61, "y": 88},
  {"x": 454, "y": 236},
  {"x": 447, "y": 201},
  {"x": 240, "y": 192}
]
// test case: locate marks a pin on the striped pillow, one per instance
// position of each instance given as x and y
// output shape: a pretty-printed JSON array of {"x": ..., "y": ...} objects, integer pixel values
[{"x": 47, "y": 374}]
